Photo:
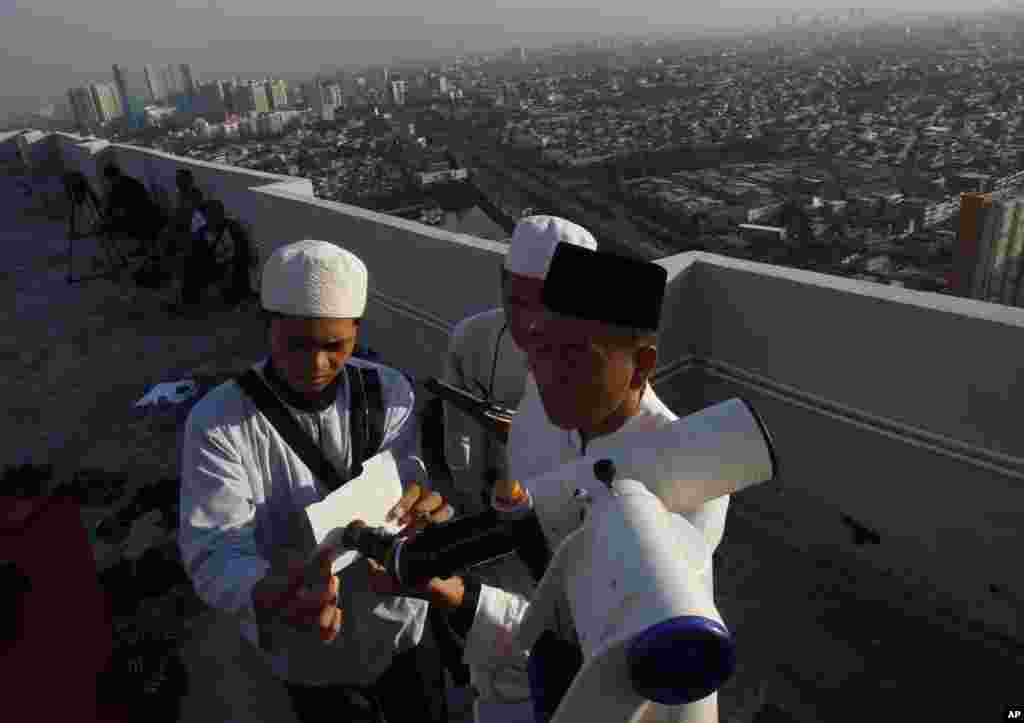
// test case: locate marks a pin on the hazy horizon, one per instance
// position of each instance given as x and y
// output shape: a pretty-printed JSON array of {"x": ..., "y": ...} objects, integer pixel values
[{"x": 51, "y": 45}]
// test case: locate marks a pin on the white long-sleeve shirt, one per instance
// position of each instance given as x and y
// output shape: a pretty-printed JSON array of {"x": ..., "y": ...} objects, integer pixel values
[
  {"x": 482, "y": 358},
  {"x": 535, "y": 447},
  {"x": 243, "y": 495}
]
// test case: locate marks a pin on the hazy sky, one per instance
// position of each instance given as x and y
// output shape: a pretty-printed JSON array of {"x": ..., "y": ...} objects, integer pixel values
[{"x": 48, "y": 45}]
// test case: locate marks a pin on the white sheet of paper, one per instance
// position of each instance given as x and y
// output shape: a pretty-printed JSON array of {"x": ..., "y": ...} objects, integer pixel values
[
  {"x": 369, "y": 498},
  {"x": 171, "y": 392}
]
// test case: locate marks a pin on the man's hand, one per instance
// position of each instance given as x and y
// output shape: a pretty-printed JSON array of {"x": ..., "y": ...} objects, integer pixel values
[
  {"x": 417, "y": 509},
  {"x": 444, "y": 594},
  {"x": 285, "y": 595}
]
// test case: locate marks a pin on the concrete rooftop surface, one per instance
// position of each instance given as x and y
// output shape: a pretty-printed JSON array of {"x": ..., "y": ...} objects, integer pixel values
[{"x": 817, "y": 642}]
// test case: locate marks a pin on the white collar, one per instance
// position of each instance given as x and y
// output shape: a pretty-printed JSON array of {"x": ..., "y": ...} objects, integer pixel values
[{"x": 651, "y": 414}]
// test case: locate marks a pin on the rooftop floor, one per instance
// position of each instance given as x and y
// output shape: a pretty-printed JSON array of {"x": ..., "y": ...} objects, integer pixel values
[{"x": 821, "y": 642}]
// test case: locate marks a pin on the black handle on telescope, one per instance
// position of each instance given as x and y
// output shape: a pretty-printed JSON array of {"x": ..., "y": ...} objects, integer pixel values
[{"x": 445, "y": 548}]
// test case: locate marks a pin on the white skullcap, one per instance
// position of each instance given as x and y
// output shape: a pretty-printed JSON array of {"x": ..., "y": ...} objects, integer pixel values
[
  {"x": 314, "y": 279},
  {"x": 534, "y": 240}
]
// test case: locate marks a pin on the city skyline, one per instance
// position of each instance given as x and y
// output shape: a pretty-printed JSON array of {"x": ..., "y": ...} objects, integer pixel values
[{"x": 50, "y": 47}]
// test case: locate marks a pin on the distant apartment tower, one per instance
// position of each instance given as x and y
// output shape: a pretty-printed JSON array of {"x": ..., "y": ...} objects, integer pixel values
[
  {"x": 381, "y": 78},
  {"x": 122, "y": 88},
  {"x": 188, "y": 80},
  {"x": 83, "y": 107},
  {"x": 974, "y": 214},
  {"x": 230, "y": 86},
  {"x": 251, "y": 98},
  {"x": 334, "y": 95},
  {"x": 398, "y": 90},
  {"x": 172, "y": 80},
  {"x": 989, "y": 260},
  {"x": 154, "y": 84},
  {"x": 350, "y": 87},
  {"x": 324, "y": 99},
  {"x": 277, "y": 93},
  {"x": 211, "y": 99},
  {"x": 259, "y": 97},
  {"x": 105, "y": 100}
]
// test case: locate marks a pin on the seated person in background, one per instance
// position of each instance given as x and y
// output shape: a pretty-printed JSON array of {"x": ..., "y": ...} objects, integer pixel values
[
  {"x": 128, "y": 208},
  {"x": 85, "y": 206},
  {"x": 219, "y": 245},
  {"x": 178, "y": 231}
]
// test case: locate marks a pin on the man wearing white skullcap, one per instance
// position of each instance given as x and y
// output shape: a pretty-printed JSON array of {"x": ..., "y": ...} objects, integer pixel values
[
  {"x": 342, "y": 649},
  {"x": 486, "y": 357}
]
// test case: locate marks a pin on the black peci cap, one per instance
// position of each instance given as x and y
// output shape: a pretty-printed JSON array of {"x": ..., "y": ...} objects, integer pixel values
[{"x": 605, "y": 287}]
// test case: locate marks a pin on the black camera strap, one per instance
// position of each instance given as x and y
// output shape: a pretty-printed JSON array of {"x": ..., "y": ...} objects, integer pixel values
[{"x": 366, "y": 423}]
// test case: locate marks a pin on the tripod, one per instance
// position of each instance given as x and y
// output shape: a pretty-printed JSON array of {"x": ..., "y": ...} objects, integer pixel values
[{"x": 86, "y": 219}]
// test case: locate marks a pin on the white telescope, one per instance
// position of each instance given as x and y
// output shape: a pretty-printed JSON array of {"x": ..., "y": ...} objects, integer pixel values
[
  {"x": 635, "y": 575},
  {"x": 714, "y": 452}
]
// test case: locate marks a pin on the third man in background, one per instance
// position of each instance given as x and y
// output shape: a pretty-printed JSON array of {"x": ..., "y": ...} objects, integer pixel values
[{"x": 486, "y": 355}]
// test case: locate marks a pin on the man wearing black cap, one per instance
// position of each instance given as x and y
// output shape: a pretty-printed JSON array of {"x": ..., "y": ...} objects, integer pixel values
[{"x": 591, "y": 356}]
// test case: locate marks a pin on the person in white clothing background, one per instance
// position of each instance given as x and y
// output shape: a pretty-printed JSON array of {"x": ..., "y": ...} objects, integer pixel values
[
  {"x": 343, "y": 650},
  {"x": 591, "y": 355},
  {"x": 485, "y": 356}
]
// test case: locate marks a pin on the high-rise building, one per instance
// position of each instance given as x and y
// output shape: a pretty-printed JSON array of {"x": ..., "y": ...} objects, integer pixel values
[
  {"x": 398, "y": 89},
  {"x": 381, "y": 77},
  {"x": 333, "y": 95},
  {"x": 277, "y": 93},
  {"x": 229, "y": 87},
  {"x": 324, "y": 98},
  {"x": 974, "y": 213},
  {"x": 122, "y": 89},
  {"x": 83, "y": 107},
  {"x": 155, "y": 84},
  {"x": 251, "y": 98},
  {"x": 211, "y": 99},
  {"x": 188, "y": 80},
  {"x": 989, "y": 263},
  {"x": 104, "y": 96},
  {"x": 172, "y": 80},
  {"x": 349, "y": 87}
]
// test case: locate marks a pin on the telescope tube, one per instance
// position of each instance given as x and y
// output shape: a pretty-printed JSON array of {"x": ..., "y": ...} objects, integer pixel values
[{"x": 445, "y": 548}]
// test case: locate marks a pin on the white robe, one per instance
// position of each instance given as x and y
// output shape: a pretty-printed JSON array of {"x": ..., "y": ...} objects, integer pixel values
[
  {"x": 486, "y": 361},
  {"x": 243, "y": 493},
  {"x": 536, "y": 446}
]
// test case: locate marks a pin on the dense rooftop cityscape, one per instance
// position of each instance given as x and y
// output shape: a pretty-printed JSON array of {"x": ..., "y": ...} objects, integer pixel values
[
  {"x": 887, "y": 151},
  {"x": 833, "y": 143}
]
